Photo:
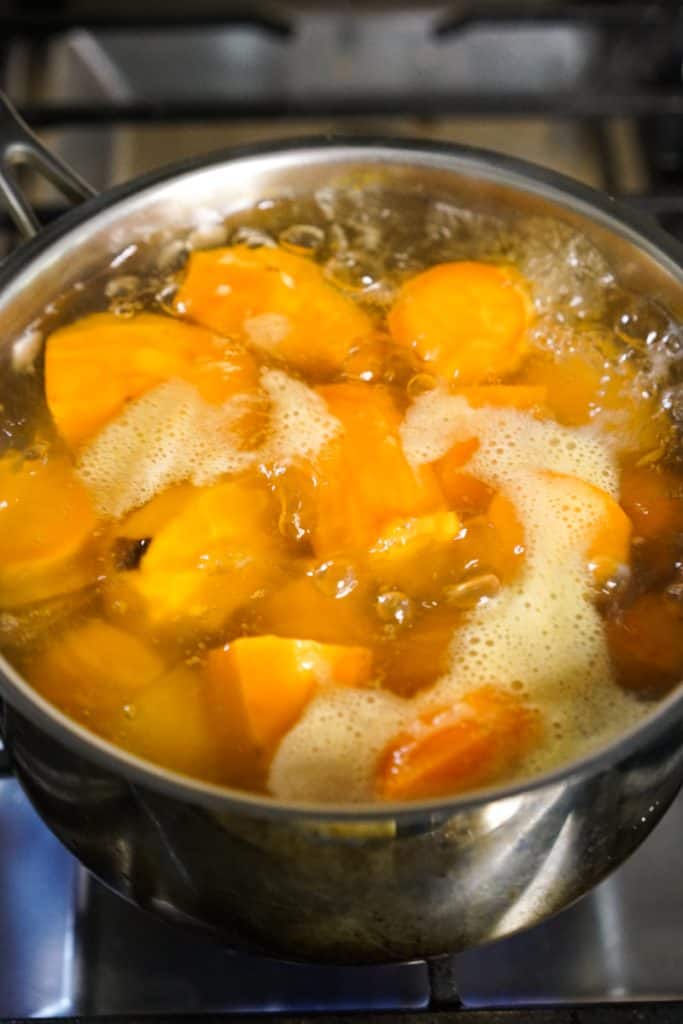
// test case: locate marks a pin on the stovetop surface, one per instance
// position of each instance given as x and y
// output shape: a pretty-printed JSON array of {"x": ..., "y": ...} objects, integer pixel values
[{"x": 71, "y": 947}]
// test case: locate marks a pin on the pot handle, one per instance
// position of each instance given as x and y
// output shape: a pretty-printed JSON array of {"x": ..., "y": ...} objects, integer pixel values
[{"x": 19, "y": 146}]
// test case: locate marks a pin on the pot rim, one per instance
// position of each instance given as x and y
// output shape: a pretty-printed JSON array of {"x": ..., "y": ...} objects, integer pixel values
[{"x": 612, "y": 214}]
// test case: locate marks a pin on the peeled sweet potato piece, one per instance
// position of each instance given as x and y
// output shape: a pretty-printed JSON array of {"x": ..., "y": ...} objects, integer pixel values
[
  {"x": 203, "y": 562},
  {"x": 364, "y": 480},
  {"x": 170, "y": 723},
  {"x": 260, "y": 685},
  {"x": 300, "y": 609},
  {"x": 504, "y": 550},
  {"x": 417, "y": 656},
  {"x": 464, "y": 492},
  {"x": 278, "y": 301},
  {"x": 474, "y": 743},
  {"x": 608, "y": 539},
  {"x": 652, "y": 497},
  {"x": 466, "y": 321},
  {"x": 46, "y": 530},
  {"x": 93, "y": 670},
  {"x": 646, "y": 644},
  {"x": 97, "y": 364},
  {"x": 413, "y": 554}
]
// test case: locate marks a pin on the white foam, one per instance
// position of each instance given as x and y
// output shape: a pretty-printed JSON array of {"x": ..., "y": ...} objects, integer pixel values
[
  {"x": 300, "y": 422},
  {"x": 330, "y": 754},
  {"x": 165, "y": 437},
  {"x": 171, "y": 435},
  {"x": 541, "y": 637},
  {"x": 511, "y": 441}
]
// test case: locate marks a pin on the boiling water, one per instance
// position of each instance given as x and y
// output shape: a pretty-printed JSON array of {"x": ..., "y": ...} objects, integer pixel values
[{"x": 542, "y": 635}]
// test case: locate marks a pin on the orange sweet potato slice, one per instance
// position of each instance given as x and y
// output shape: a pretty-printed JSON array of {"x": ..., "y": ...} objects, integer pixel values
[
  {"x": 608, "y": 541},
  {"x": 653, "y": 500},
  {"x": 203, "y": 562},
  {"x": 466, "y": 321},
  {"x": 46, "y": 531},
  {"x": 413, "y": 554},
  {"x": 97, "y": 364},
  {"x": 260, "y": 685},
  {"x": 646, "y": 644},
  {"x": 364, "y": 480},
  {"x": 475, "y": 743},
  {"x": 93, "y": 670},
  {"x": 416, "y": 657},
  {"x": 464, "y": 492},
  {"x": 170, "y": 723},
  {"x": 300, "y": 609},
  {"x": 278, "y": 301},
  {"x": 504, "y": 551}
]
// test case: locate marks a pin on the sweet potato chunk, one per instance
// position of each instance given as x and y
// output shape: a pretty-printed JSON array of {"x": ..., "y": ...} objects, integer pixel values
[
  {"x": 467, "y": 321},
  {"x": 364, "y": 479},
  {"x": 472, "y": 744},
  {"x": 464, "y": 492},
  {"x": 93, "y": 670},
  {"x": 608, "y": 539},
  {"x": 46, "y": 531},
  {"x": 97, "y": 364},
  {"x": 260, "y": 685},
  {"x": 653, "y": 501},
  {"x": 205, "y": 561},
  {"x": 151, "y": 517},
  {"x": 301, "y": 609},
  {"x": 413, "y": 554},
  {"x": 504, "y": 548},
  {"x": 646, "y": 644},
  {"x": 417, "y": 656},
  {"x": 278, "y": 301},
  {"x": 170, "y": 723}
]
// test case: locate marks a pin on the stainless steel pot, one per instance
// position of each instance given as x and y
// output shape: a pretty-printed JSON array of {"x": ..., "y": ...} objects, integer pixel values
[{"x": 345, "y": 884}]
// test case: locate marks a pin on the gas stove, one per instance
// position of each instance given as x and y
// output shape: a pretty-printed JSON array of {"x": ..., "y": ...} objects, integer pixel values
[{"x": 590, "y": 89}]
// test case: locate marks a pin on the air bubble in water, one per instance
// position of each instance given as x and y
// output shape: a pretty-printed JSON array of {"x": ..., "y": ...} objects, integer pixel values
[
  {"x": 122, "y": 287},
  {"x": 421, "y": 383},
  {"x": 350, "y": 274},
  {"x": 471, "y": 592},
  {"x": 125, "y": 309},
  {"x": 253, "y": 238},
  {"x": 208, "y": 236},
  {"x": 395, "y": 607},
  {"x": 302, "y": 239},
  {"x": 166, "y": 296},
  {"x": 172, "y": 256},
  {"x": 335, "y": 579}
]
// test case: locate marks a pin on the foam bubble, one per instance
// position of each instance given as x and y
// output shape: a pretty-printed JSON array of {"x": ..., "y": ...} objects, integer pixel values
[
  {"x": 165, "y": 437},
  {"x": 511, "y": 441},
  {"x": 330, "y": 754},
  {"x": 171, "y": 435},
  {"x": 300, "y": 422}
]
